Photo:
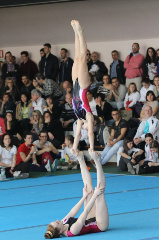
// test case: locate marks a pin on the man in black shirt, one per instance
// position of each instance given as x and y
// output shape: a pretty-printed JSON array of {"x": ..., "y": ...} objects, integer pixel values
[{"x": 118, "y": 132}]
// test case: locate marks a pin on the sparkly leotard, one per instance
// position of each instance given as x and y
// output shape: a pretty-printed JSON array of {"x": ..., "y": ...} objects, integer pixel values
[
  {"x": 90, "y": 226},
  {"x": 80, "y": 102}
]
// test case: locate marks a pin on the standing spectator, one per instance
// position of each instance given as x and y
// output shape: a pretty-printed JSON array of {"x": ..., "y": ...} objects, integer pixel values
[
  {"x": 117, "y": 94},
  {"x": 65, "y": 73},
  {"x": 92, "y": 102},
  {"x": 156, "y": 87},
  {"x": 117, "y": 68},
  {"x": 106, "y": 87},
  {"x": 49, "y": 63},
  {"x": 67, "y": 116},
  {"x": 38, "y": 102},
  {"x": 27, "y": 86},
  {"x": 27, "y": 67},
  {"x": 149, "y": 64},
  {"x": 48, "y": 86},
  {"x": 118, "y": 132},
  {"x": 12, "y": 89},
  {"x": 133, "y": 65},
  {"x": 10, "y": 69},
  {"x": 54, "y": 129},
  {"x": 42, "y": 53},
  {"x": 96, "y": 67}
]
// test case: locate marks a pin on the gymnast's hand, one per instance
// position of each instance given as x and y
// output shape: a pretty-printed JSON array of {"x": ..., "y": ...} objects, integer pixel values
[
  {"x": 85, "y": 192},
  {"x": 99, "y": 190}
]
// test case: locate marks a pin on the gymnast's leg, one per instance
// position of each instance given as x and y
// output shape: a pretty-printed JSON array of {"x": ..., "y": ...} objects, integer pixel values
[
  {"x": 102, "y": 217},
  {"x": 87, "y": 180}
]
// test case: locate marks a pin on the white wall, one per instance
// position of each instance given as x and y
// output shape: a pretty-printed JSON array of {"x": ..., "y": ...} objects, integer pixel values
[{"x": 104, "y": 49}]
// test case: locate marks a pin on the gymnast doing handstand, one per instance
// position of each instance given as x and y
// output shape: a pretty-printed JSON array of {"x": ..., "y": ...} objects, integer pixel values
[
  {"x": 81, "y": 84},
  {"x": 95, "y": 217}
]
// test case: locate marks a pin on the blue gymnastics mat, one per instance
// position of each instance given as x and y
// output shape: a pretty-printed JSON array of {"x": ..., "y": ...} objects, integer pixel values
[{"x": 27, "y": 206}]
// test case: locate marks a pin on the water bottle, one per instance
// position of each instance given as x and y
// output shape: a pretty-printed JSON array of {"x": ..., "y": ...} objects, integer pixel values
[{"x": 3, "y": 175}]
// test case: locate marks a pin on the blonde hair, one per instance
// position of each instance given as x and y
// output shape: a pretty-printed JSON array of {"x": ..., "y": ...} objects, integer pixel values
[
  {"x": 7, "y": 79},
  {"x": 40, "y": 123},
  {"x": 129, "y": 88}
]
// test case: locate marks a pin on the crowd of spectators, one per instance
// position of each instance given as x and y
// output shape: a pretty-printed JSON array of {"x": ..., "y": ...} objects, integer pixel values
[{"x": 36, "y": 109}]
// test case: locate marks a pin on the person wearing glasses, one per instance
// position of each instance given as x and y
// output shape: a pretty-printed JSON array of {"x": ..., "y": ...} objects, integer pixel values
[
  {"x": 118, "y": 132},
  {"x": 133, "y": 66}
]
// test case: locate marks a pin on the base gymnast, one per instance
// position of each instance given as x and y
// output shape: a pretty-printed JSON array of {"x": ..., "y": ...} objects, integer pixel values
[
  {"x": 95, "y": 217},
  {"x": 81, "y": 84}
]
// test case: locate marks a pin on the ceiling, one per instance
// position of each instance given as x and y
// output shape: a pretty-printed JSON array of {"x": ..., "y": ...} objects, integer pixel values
[{"x": 103, "y": 20}]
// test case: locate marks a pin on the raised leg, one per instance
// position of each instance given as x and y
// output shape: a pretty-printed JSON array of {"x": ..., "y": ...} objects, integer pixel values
[
  {"x": 102, "y": 217},
  {"x": 87, "y": 180}
]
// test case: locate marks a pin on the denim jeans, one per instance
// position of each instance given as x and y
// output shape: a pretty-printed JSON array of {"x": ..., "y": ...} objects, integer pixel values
[
  {"x": 117, "y": 105},
  {"x": 109, "y": 152}
]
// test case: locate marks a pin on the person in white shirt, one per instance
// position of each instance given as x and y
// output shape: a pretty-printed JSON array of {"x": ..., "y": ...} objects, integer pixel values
[
  {"x": 146, "y": 86},
  {"x": 132, "y": 96},
  {"x": 149, "y": 125},
  {"x": 92, "y": 102}
]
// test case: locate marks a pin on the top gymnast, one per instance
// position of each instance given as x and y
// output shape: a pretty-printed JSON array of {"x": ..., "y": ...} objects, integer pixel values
[
  {"x": 81, "y": 84},
  {"x": 95, "y": 217}
]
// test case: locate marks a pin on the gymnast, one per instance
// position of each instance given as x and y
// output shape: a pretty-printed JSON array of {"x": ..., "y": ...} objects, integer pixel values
[
  {"x": 81, "y": 84},
  {"x": 95, "y": 217}
]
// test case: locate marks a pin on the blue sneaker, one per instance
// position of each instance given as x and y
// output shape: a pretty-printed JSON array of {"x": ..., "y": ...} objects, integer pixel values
[
  {"x": 48, "y": 166},
  {"x": 54, "y": 165}
]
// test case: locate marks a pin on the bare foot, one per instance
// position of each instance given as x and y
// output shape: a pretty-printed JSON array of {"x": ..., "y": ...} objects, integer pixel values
[
  {"x": 78, "y": 26},
  {"x": 73, "y": 25}
]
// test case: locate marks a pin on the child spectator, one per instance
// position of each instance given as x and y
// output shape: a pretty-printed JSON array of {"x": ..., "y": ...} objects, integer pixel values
[
  {"x": 46, "y": 152},
  {"x": 146, "y": 86},
  {"x": 71, "y": 161},
  {"x": 130, "y": 156},
  {"x": 132, "y": 96}
]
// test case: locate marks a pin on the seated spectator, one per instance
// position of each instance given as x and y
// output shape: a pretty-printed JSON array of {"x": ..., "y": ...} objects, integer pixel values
[
  {"x": 65, "y": 73},
  {"x": 2, "y": 87},
  {"x": 156, "y": 87},
  {"x": 117, "y": 68},
  {"x": 38, "y": 102},
  {"x": 6, "y": 104},
  {"x": 10, "y": 69},
  {"x": 118, "y": 132},
  {"x": 8, "y": 155},
  {"x": 117, "y": 94},
  {"x": 28, "y": 67},
  {"x": 71, "y": 161},
  {"x": 88, "y": 56},
  {"x": 27, "y": 86},
  {"x": 149, "y": 125},
  {"x": 2, "y": 126},
  {"x": 11, "y": 127},
  {"x": 149, "y": 64},
  {"x": 37, "y": 124},
  {"x": 67, "y": 116},
  {"x": 49, "y": 66},
  {"x": 92, "y": 102},
  {"x": 12, "y": 89},
  {"x": 67, "y": 87},
  {"x": 146, "y": 86},
  {"x": 104, "y": 110},
  {"x": 132, "y": 96},
  {"x": 36, "y": 84},
  {"x": 48, "y": 86},
  {"x": 22, "y": 112},
  {"x": 26, "y": 156},
  {"x": 22, "y": 109},
  {"x": 130, "y": 157},
  {"x": 52, "y": 107},
  {"x": 151, "y": 101},
  {"x": 96, "y": 67},
  {"x": 46, "y": 152},
  {"x": 54, "y": 129},
  {"x": 106, "y": 87},
  {"x": 133, "y": 66}
]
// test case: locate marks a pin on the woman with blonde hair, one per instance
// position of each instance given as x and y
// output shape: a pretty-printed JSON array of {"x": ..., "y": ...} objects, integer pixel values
[
  {"x": 37, "y": 124},
  {"x": 12, "y": 89}
]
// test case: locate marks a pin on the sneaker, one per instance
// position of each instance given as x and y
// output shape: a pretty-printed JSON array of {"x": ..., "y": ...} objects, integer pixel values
[
  {"x": 54, "y": 165},
  {"x": 48, "y": 166},
  {"x": 130, "y": 168},
  {"x": 137, "y": 169},
  {"x": 16, "y": 174},
  {"x": 24, "y": 175},
  {"x": 64, "y": 167}
]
